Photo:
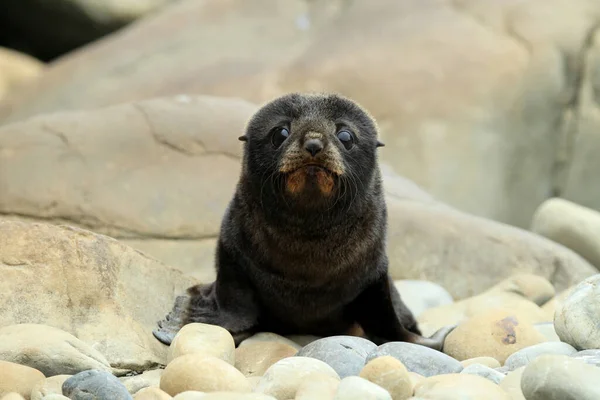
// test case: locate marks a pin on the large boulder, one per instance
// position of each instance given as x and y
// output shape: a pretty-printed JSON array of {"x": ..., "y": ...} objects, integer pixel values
[
  {"x": 479, "y": 102},
  {"x": 158, "y": 174},
  {"x": 103, "y": 292}
]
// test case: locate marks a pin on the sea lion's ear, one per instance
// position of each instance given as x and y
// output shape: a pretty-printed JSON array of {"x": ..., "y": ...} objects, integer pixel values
[
  {"x": 380, "y": 144},
  {"x": 243, "y": 138}
]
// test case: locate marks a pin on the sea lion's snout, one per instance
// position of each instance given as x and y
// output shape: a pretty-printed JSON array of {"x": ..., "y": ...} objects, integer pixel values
[{"x": 313, "y": 146}]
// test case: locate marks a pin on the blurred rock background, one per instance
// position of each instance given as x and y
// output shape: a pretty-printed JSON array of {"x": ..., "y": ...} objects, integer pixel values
[{"x": 122, "y": 117}]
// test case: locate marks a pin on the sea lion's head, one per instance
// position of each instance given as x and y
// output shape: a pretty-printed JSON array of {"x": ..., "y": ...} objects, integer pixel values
[{"x": 310, "y": 149}]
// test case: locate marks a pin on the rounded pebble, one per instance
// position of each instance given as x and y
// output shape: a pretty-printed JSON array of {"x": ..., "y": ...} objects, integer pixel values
[
  {"x": 533, "y": 287},
  {"x": 589, "y": 356},
  {"x": 12, "y": 396},
  {"x": 270, "y": 337},
  {"x": 204, "y": 339},
  {"x": 419, "y": 359},
  {"x": 576, "y": 318},
  {"x": 190, "y": 395},
  {"x": 528, "y": 354},
  {"x": 459, "y": 386},
  {"x": 18, "y": 378},
  {"x": 496, "y": 333},
  {"x": 487, "y": 361},
  {"x": 194, "y": 372},
  {"x": 151, "y": 393},
  {"x": 511, "y": 384},
  {"x": 559, "y": 377},
  {"x": 283, "y": 378},
  {"x": 99, "y": 384},
  {"x": 222, "y": 396},
  {"x": 255, "y": 358},
  {"x": 484, "y": 372},
  {"x": 420, "y": 295},
  {"x": 318, "y": 387},
  {"x": 390, "y": 374},
  {"x": 52, "y": 385},
  {"x": 547, "y": 329},
  {"x": 357, "y": 388},
  {"x": 56, "y": 397},
  {"x": 415, "y": 378},
  {"x": 345, "y": 354},
  {"x": 150, "y": 378}
]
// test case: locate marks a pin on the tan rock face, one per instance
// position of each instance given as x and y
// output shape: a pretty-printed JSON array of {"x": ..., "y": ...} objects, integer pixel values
[
  {"x": 391, "y": 375},
  {"x": 254, "y": 359},
  {"x": 51, "y": 385},
  {"x": 151, "y": 393},
  {"x": 17, "y": 71},
  {"x": 204, "y": 339},
  {"x": 463, "y": 386},
  {"x": 16, "y": 378},
  {"x": 101, "y": 291}
]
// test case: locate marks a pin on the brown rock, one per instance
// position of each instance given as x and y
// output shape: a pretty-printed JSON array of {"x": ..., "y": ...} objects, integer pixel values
[
  {"x": 390, "y": 374},
  {"x": 255, "y": 358},
  {"x": 105, "y": 293},
  {"x": 151, "y": 393},
  {"x": 495, "y": 333},
  {"x": 487, "y": 361},
  {"x": 16, "y": 378},
  {"x": 202, "y": 373},
  {"x": 204, "y": 339},
  {"x": 463, "y": 386},
  {"x": 51, "y": 385}
]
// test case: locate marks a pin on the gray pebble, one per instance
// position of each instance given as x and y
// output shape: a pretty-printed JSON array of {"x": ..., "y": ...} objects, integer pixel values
[
  {"x": 95, "y": 385},
  {"x": 419, "y": 359},
  {"x": 589, "y": 356},
  {"x": 528, "y": 354},
  {"x": 484, "y": 372},
  {"x": 345, "y": 354}
]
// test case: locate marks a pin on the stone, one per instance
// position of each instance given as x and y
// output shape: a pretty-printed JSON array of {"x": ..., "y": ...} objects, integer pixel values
[
  {"x": 17, "y": 378},
  {"x": 302, "y": 340},
  {"x": 345, "y": 354},
  {"x": 417, "y": 358},
  {"x": 50, "y": 350},
  {"x": 357, "y": 388},
  {"x": 318, "y": 387},
  {"x": 589, "y": 356},
  {"x": 511, "y": 384},
  {"x": 419, "y": 295},
  {"x": 283, "y": 378},
  {"x": 554, "y": 377},
  {"x": 150, "y": 378},
  {"x": 496, "y": 333},
  {"x": 202, "y": 373},
  {"x": 547, "y": 329},
  {"x": 576, "y": 319},
  {"x": 255, "y": 358},
  {"x": 97, "y": 289},
  {"x": 56, "y": 397},
  {"x": 484, "y": 372},
  {"x": 415, "y": 378},
  {"x": 99, "y": 385},
  {"x": 151, "y": 393},
  {"x": 533, "y": 287},
  {"x": 17, "y": 71},
  {"x": 550, "y": 307},
  {"x": 222, "y": 396},
  {"x": 190, "y": 395},
  {"x": 459, "y": 386},
  {"x": 390, "y": 374},
  {"x": 270, "y": 337},
  {"x": 570, "y": 224},
  {"x": 487, "y": 361},
  {"x": 51, "y": 385},
  {"x": 12, "y": 396},
  {"x": 205, "y": 339},
  {"x": 524, "y": 356}
]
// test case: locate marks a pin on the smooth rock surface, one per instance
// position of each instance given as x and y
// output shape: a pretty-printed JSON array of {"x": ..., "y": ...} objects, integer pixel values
[
  {"x": 12, "y": 396},
  {"x": 511, "y": 384},
  {"x": 205, "y": 339},
  {"x": 151, "y": 393},
  {"x": 94, "y": 384},
  {"x": 202, "y": 373},
  {"x": 487, "y": 361},
  {"x": 255, "y": 358},
  {"x": 484, "y": 372},
  {"x": 318, "y": 387},
  {"x": 576, "y": 318},
  {"x": 390, "y": 374},
  {"x": 17, "y": 71},
  {"x": 419, "y": 295},
  {"x": 547, "y": 329},
  {"x": 524, "y": 356},
  {"x": 357, "y": 388},
  {"x": 51, "y": 385},
  {"x": 345, "y": 354},
  {"x": 419, "y": 359},
  {"x": 49, "y": 350},
  {"x": 559, "y": 377},
  {"x": 589, "y": 356},
  {"x": 136, "y": 383},
  {"x": 270, "y": 337},
  {"x": 283, "y": 378},
  {"x": 18, "y": 379},
  {"x": 459, "y": 386}
]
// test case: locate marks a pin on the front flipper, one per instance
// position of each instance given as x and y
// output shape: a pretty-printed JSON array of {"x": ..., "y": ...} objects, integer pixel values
[
  {"x": 170, "y": 325},
  {"x": 385, "y": 318}
]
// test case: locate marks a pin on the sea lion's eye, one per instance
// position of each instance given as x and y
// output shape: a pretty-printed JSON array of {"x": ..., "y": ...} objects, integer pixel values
[
  {"x": 346, "y": 139},
  {"x": 279, "y": 135}
]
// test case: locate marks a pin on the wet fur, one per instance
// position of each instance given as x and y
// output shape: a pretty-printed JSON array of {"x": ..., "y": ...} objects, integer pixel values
[{"x": 304, "y": 252}]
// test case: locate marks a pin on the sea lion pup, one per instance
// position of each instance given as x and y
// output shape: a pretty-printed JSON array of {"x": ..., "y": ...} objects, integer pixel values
[{"x": 302, "y": 243}]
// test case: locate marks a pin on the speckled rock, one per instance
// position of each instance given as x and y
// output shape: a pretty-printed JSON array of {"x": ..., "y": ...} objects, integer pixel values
[
  {"x": 390, "y": 374},
  {"x": 99, "y": 385},
  {"x": 317, "y": 387},
  {"x": 459, "y": 386},
  {"x": 202, "y": 373},
  {"x": 49, "y": 350},
  {"x": 345, "y": 354},
  {"x": 511, "y": 384},
  {"x": 253, "y": 359},
  {"x": 151, "y": 393},
  {"x": 270, "y": 337},
  {"x": 576, "y": 318},
  {"x": 18, "y": 379},
  {"x": 205, "y": 339},
  {"x": 589, "y": 356},
  {"x": 528, "y": 354},
  {"x": 484, "y": 372},
  {"x": 51, "y": 385},
  {"x": 357, "y": 388},
  {"x": 487, "y": 361},
  {"x": 559, "y": 377},
  {"x": 420, "y": 295},
  {"x": 496, "y": 333},
  {"x": 283, "y": 378},
  {"x": 419, "y": 359}
]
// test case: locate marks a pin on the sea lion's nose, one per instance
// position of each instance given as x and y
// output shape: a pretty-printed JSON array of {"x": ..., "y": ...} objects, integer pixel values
[{"x": 313, "y": 146}]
